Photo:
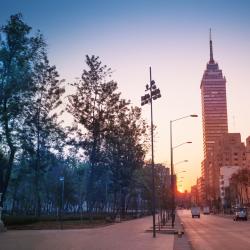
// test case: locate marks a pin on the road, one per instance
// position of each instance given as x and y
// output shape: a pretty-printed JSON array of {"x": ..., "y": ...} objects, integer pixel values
[
  {"x": 213, "y": 232},
  {"x": 129, "y": 235}
]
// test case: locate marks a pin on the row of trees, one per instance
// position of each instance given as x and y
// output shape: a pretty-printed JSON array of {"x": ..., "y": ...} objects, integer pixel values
[
  {"x": 101, "y": 154},
  {"x": 238, "y": 191}
]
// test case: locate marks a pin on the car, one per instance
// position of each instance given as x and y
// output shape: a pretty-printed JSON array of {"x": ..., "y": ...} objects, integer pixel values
[
  {"x": 195, "y": 211},
  {"x": 240, "y": 213},
  {"x": 206, "y": 210}
]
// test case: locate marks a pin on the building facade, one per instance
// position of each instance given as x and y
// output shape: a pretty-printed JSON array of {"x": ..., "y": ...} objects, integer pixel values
[
  {"x": 230, "y": 155},
  {"x": 200, "y": 190},
  {"x": 194, "y": 196},
  {"x": 214, "y": 105},
  {"x": 214, "y": 118}
]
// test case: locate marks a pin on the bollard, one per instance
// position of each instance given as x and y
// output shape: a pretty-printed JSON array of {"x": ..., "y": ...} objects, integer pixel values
[
  {"x": 118, "y": 219},
  {"x": 179, "y": 233}
]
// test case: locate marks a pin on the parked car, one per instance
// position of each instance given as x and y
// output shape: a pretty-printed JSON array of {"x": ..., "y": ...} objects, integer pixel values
[
  {"x": 206, "y": 210},
  {"x": 195, "y": 211},
  {"x": 240, "y": 213}
]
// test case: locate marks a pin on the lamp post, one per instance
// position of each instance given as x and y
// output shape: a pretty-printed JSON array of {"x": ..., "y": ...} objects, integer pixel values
[
  {"x": 61, "y": 179},
  {"x": 153, "y": 94},
  {"x": 172, "y": 165}
]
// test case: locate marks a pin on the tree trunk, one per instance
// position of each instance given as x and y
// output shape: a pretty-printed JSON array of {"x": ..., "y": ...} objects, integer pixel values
[
  {"x": 123, "y": 197},
  {"x": 6, "y": 178},
  {"x": 37, "y": 168}
]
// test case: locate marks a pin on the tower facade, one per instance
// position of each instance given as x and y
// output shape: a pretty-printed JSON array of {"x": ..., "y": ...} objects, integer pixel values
[
  {"x": 214, "y": 115},
  {"x": 214, "y": 104}
]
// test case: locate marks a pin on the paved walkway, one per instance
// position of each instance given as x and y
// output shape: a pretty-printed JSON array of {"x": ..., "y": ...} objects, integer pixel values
[
  {"x": 181, "y": 243},
  {"x": 129, "y": 235}
]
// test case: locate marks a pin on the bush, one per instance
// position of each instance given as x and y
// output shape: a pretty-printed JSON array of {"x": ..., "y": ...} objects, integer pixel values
[
  {"x": 29, "y": 219},
  {"x": 19, "y": 220}
]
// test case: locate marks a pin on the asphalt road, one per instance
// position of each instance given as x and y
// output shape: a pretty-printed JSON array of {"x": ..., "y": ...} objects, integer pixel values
[{"x": 213, "y": 232}]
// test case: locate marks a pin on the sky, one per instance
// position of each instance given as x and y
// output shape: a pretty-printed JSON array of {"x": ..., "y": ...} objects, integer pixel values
[{"x": 170, "y": 36}]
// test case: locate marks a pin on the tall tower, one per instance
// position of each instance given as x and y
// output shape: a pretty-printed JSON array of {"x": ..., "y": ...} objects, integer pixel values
[
  {"x": 214, "y": 104},
  {"x": 214, "y": 114}
]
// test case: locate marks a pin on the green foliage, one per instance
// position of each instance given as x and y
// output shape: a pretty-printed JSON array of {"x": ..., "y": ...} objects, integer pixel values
[
  {"x": 239, "y": 185},
  {"x": 19, "y": 52},
  {"x": 112, "y": 133}
]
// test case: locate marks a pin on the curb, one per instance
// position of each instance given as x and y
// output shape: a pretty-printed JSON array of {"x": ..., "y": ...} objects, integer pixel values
[{"x": 181, "y": 241}]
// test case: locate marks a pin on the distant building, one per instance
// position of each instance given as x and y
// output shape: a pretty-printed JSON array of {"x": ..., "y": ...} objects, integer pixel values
[
  {"x": 194, "y": 195},
  {"x": 230, "y": 155},
  {"x": 214, "y": 105},
  {"x": 228, "y": 151},
  {"x": 163, "y": 174},
  {"x": 214, "y": 117},
  {"x": 197, "y": 193},
  {"x": 200, "y": 190}
]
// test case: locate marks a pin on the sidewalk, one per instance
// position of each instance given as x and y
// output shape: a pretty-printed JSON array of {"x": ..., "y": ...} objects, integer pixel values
[
  {"x": 129, "y": 235},
  {"x": 180, "y": 243}
]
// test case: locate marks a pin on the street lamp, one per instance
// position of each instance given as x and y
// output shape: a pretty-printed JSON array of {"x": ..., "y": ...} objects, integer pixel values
[
  {"x": 187, "y": 142},
  {"x": 183, "y": 171},
  {"x": 153, "y": 94},
  {"x": 179, "y": 162},
  {"x": 172, "y": 165},
  {"x": 61, "y": 179}
]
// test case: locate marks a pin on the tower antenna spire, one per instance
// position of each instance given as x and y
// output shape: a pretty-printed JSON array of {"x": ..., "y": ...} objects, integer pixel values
[{"x": 211, "y": 47}]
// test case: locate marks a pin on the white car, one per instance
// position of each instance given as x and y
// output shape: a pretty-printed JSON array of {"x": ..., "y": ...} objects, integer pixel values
[
  {"x": 196, "y": 212},
  {"x": 206, "y": 210}
]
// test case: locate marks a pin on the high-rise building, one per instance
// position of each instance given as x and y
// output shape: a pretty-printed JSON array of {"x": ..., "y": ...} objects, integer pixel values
[
  {"x": 214, "y": 104},
  {"x": 214, "y": 115}
]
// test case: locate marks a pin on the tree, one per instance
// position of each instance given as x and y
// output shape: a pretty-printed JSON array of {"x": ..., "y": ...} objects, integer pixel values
[
  {"x": 126, "y": 149},
  {"x": 109, "y": 131},
  {"x": 19, "y": 51},
  {"x": 93, "y": 106},
  {"x": 3, "y": 168},
  {"x": 42, "y": 132},
  {"x": 240, "y": 182}
]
